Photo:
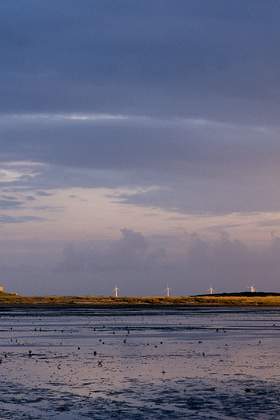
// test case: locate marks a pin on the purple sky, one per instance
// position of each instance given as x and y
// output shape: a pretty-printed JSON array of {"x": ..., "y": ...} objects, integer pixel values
[{"x": 139, "y": 146}]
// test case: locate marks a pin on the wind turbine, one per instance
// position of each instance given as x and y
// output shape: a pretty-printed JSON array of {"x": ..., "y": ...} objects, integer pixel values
[
  {"x": 211, "y": 290},
  {"x": 116, "y": 291},
  {"x": 167, "y": 291},
  {"x": 252, "y": 289}
]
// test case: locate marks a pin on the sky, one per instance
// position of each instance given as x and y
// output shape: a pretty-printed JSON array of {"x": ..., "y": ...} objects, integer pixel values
[{"x": 139, "y": 146}]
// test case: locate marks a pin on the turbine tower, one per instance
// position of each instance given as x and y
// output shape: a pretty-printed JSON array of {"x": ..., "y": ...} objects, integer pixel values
[
  {"x": 211, "y": 290},
  {"x": 252, "y": 289},
  {"x": 116, "y": 291},
  {"x": 167, "y": 291}
]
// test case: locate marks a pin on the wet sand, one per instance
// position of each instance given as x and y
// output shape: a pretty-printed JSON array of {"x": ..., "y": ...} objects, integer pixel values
[{"x": 135, "y": 363}]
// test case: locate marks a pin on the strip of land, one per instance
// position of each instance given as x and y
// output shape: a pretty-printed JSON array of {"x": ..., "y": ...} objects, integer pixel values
[{"x": 227, "y": 299}]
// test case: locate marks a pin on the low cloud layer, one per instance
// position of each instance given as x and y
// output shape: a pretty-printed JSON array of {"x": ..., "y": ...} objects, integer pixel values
[{"x": 144, "y": 265}]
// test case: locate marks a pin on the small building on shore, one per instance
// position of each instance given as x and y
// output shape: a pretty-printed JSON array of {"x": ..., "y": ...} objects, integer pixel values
[{"x": 2, "y": 289}]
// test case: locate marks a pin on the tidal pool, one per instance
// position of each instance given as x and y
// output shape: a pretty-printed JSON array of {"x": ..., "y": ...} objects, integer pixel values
[{"x": 191, "y": 363}]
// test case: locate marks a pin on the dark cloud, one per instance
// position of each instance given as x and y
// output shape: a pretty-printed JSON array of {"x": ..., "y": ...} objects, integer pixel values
[
  {"x": 216, "y": 196},
  {"x": 6, "y": 219},
  {"x": 130, "y": 253},
  {"x": 188, "y": 92},
  {"x": 194, "y": 145},
  {"x": 10, "y": 203},
  {"x": 200, "y": 166},
  {"x": 228, "y": 264},
  {"x": 161, "y": 57},
  {"x": 139, "y": 265},
  {"x": 43, "y": 193}
]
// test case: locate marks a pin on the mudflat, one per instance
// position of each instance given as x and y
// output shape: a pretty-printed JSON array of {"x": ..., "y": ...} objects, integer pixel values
[{"x": 139, "y": 363}]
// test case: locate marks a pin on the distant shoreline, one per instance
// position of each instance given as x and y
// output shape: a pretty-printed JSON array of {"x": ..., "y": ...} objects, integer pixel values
[{"x": 264, "y": 299}]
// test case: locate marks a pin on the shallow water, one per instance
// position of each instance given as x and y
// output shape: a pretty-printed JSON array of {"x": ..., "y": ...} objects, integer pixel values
[{"x": 193, "y": 363}]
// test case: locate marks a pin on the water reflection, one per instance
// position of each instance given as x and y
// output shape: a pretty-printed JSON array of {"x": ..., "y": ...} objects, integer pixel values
[{"x": 140, "y": 364}]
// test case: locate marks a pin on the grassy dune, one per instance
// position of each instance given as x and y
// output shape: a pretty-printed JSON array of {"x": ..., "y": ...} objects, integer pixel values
[{"x": 203, "y": 300}]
